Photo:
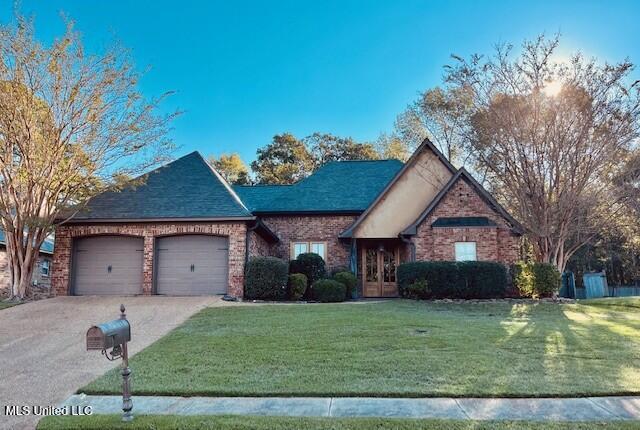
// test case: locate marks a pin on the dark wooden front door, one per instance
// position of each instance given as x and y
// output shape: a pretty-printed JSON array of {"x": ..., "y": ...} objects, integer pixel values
[{"x": 379, "y": 272}]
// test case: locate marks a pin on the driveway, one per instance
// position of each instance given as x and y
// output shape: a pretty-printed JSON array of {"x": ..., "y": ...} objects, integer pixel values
[{"x": 43, "y": 357}]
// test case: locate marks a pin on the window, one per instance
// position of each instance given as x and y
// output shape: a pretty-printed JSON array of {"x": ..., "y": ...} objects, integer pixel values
[
  {"x": 44, "y": 268},
  {"x": 299, "y": 247},
  {"x": 465, "y": 251},
  {"x": 319, "y": 248}
]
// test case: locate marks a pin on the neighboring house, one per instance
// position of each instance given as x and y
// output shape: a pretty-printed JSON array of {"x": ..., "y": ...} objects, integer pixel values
[
  {"x": 185, "y": 231},
  {"x": 42, "y": 272}
]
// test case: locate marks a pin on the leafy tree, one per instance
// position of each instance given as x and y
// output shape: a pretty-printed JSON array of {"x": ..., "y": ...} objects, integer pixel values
[
  {"x": 440, "y": 114},
  {"x": 71, "y": 125},
  {"x": 284, "y": 161},
  {"x": 390, "y": 146},
  {"x": 232, "y": 168},
  {"x": 288, "y": 159},
  {"x": 550, "y": 136},
  {"x": 326, "y": 147}
]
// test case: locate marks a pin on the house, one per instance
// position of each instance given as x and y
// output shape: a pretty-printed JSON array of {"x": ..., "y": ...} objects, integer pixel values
[
  {"x": 42, "y": 272},
  {"x": 186, "y": 231}
]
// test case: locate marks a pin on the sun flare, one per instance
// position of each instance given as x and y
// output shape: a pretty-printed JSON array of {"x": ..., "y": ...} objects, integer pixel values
[{"x": 552, "y": 88}]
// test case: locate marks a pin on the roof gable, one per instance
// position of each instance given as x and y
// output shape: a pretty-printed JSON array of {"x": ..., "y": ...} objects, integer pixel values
[
  {"x": 336, "y": 187},
  {"x": 463, "y": 174},
  {"x": 426, "y": 145},
  {"x": 187, "y": 188}
]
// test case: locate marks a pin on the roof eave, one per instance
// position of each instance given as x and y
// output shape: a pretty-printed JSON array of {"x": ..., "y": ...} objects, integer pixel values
[{"x": 156, "y": 219}]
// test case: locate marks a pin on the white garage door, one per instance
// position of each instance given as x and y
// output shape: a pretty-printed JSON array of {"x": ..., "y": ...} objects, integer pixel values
[
  {"x": 107, "y": 265},
  {"x": 192, "y": 265}
]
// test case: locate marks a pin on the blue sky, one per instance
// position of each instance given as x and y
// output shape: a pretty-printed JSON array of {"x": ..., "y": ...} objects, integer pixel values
[{"x": 244, "y": 71}]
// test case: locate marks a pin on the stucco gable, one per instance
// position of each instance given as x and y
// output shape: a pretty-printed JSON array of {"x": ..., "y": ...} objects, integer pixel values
[{"x": 406, "y": 195}]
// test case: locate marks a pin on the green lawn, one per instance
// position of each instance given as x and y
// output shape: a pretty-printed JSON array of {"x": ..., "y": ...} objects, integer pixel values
[
  {"x": 396, "y": 348},
  {"x": 99, "y": 422}
]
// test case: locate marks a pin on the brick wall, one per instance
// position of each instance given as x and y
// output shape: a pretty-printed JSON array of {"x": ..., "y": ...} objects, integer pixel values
[
  {"x": 258, "y": 246},
  {"x": 325, "y": 228},
  {"x": 492, "y": 243},
  {"x": 236, "y": 232}
]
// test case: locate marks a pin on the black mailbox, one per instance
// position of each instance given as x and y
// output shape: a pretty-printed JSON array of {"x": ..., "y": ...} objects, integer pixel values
[{"x": 108, "y": 335}]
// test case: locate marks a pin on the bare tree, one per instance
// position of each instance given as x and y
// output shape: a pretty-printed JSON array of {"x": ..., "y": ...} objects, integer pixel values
[
  {"x": 71, "y": 124},
  {"x": 550, "y": 136}
]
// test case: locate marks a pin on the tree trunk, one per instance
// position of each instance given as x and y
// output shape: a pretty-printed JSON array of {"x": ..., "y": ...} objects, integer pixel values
[{"x": 22, "y": 267}]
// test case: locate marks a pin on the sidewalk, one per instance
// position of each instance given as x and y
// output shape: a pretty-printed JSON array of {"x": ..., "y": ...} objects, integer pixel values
[{"x": 574, "y": 409}]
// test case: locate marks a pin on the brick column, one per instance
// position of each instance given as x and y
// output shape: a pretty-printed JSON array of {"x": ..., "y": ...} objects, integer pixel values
[
  {"x": 61, "y": 262},
  {"x": 147, "y": 265}
]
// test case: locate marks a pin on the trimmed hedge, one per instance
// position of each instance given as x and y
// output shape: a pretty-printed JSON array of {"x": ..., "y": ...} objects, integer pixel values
[
  {"x": 266, "y": 279},
  {"x": 535, "y": 279},
  {"x": 311, "y": 265},
  {"x": 328, "y": 290},
  {"x": 297, "y": 286},
  {"x": 454, "y": 280},
  {"x": 349, "y": 280},
  {"x": 418, "y": 290}
]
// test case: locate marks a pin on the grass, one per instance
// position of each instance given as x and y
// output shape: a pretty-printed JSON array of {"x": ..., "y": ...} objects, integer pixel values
[
  {"x": 6, "y": 304},
  {"x": 98, "y": 422},
  {"x": 396, "y": 348}
]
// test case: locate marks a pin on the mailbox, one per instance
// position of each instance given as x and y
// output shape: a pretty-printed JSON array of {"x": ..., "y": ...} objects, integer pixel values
[{"x": 108, "y": 335}]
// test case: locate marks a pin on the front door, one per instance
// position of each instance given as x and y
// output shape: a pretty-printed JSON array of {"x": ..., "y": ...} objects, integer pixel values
[{"x": 379, "y": 272}]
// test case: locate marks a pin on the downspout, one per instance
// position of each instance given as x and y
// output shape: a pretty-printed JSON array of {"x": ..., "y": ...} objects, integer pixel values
[{"x": 412, "y": 247}]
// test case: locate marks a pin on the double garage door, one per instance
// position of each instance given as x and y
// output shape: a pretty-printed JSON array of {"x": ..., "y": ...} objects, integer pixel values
[{"x": 187, "y": 265}]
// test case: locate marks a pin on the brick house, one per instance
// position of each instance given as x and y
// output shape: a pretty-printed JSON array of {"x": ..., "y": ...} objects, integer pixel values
[
  {"x": 184, "y": 230},
  {"x": 41, "y": 274}
]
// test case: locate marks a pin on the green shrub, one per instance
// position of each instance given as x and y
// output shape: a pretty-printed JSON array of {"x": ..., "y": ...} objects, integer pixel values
[
  {"x": 266, "y": 279},
  {"x": 535, "y": 280},
  {"x": 546, "y": 279},
  {"x": 328, "y": 290},
  {"x": 311, "y": 265},
  {"x": 297, "y": 286},
  {"x": 338, "y": 269},
  {"x": 522, "y": 278},
  {"x": 418, "y": 290},
  {"x": 455, "y": 280},
  {"x": 349, "y": 280}
]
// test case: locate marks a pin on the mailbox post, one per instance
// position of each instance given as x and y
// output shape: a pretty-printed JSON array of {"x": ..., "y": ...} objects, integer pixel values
[{"x": 115, "y": 335}]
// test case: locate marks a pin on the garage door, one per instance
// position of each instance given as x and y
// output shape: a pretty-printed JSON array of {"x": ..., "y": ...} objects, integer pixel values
[
  {"x": 108, "y": 265},
  {"x": 192, "y": 265}
]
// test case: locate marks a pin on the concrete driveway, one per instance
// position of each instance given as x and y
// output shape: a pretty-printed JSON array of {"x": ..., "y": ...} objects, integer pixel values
[{"x": 43, "y": 358}]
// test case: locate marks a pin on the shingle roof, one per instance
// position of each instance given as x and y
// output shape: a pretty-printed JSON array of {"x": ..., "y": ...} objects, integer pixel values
[
  {"x": 185, "y": 188},
  {"x": 47, "y": 245},
  {"x": 463, "y": 221},
  {"x": 336, "y": 187}
]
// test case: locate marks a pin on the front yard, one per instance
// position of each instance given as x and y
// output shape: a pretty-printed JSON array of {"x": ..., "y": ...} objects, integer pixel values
[{"x": 395, "y": 348}]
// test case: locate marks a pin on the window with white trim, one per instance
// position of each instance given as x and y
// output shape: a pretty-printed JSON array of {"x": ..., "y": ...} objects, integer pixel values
[
  {"x": 465, "y": 251},
  {"x": 319, "y": 248},
  {"x": 299, "y": 247},
  {"x": 44, "y": 268}
]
